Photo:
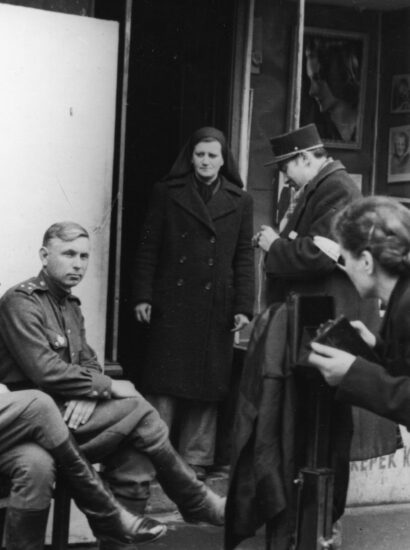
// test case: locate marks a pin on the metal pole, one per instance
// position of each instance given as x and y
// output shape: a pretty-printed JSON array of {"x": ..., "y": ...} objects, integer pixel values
[
  {"x": 120, "y": 192},
  {"x": 246, "y": 97},
  {"x": 295, "y": 118}
]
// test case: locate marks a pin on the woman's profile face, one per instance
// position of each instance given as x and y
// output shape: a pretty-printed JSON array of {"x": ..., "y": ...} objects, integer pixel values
[
  {"x": 358, "y": 274},
  {"x": 319, "y": 89},
  {"x": 207, "y": 160}
]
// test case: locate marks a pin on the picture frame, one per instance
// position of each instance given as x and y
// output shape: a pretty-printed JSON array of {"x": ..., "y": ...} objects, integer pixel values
[
  {"x": 398, "y": 165},
  {"x": 400, "y": 94},
  {"x": 334, "y": 79}
]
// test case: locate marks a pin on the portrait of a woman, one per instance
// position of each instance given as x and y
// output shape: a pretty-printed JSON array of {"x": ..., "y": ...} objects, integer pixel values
[{"x": 332, "y": 87}]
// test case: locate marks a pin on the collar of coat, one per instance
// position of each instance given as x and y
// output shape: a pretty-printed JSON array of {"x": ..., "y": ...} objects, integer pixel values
[
  {"x": 310, "y": 188},
  {"x": 222, "y": 203},
  {"x": 43, "y": 284}
]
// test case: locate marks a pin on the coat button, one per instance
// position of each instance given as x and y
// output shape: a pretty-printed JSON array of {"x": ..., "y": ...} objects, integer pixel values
[
  {"x": 182, "y": 259},
  {"x": 211, "y": 262},
  {"x": 184, "y": 234},
  {"x": 212, "y": 240},
  {"x": 180, "y": 282},
  {"x": 208, "y": 286}
]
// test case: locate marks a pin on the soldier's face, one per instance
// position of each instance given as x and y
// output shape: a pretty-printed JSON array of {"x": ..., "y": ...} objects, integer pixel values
[{"x": 66, "y": 261}]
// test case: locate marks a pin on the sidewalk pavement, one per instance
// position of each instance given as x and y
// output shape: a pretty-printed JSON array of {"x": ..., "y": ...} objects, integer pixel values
[{"x": 382, "y": 527}]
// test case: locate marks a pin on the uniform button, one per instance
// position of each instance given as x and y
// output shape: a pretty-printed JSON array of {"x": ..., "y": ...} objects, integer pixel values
[
  {"x": 180, "y": 282},
  {"x": 208, "y": 286},
  {"x": 182, "y": 259},
  {"x": 211, "y": 262},
  {"x": 212, "y": 240},
  {"x": 105, "y": 394},
  {"x": 94, "y": 393},
  {"x": 69, "y": 331},
  {"x": 184, "y": 235},
  {"x": 72, "y": 354}
]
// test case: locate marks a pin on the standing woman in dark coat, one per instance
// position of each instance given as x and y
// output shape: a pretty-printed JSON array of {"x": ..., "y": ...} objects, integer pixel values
[
  {"x": 194, "y": 285},
  {"x": 374, "y": 234}
]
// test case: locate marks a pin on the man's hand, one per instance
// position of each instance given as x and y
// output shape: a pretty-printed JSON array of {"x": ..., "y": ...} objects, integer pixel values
[
  {"x": 333, "y": 363},
  {"x": 364, "y": 332},
  {"x": 266, "y": 236},
  {"x": 123, "y": 388},
  {"x": 143, "y": 312},
  {"x": 4, "y": 389},
  {"x": 78, "y": 412},
  {"x": 240, "y": 322}
]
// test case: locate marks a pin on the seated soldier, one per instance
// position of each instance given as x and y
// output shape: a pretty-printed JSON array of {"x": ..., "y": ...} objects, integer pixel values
[
  {"x": 33, "y": 435},
  {"x": 43, "y": 344}
]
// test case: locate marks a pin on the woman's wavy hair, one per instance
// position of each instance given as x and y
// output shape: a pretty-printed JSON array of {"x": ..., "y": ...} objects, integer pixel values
[
  {"x": 340, "y": 63},
  {"x": 378, "y": 224}
]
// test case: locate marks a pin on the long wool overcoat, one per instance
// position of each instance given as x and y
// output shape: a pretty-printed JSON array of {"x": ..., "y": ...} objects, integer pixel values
[{"x": 195, "y": 266}]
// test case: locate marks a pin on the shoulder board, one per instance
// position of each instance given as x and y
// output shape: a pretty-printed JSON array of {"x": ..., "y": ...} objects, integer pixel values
[{"x": 31, "y": 285}]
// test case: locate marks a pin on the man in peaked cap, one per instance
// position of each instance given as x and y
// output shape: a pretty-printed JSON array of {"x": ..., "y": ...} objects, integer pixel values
[{"x": 301, "y": 257}]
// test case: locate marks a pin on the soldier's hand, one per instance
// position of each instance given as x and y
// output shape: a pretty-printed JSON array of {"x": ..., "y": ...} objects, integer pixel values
[
  {"x": 78, "y": 412},
  {"x": 123, "y": 388},
  {"x": 333, "y": 363},
  {"x": 143, "y": 312},
  {"x": 4, "y": 389}
]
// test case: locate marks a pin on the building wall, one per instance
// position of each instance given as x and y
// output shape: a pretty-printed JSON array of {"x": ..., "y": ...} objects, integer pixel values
[{"x": 395, "y": 49}]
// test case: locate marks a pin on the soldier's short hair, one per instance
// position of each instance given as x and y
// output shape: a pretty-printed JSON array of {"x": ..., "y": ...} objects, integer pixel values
[{"x": 66, "y": 231}]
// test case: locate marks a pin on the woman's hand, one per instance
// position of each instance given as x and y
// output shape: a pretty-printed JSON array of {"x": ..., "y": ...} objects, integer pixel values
[
  {"x": 365, "y": 333},
  {"x": 333, "y": 363},
  {"x": 143, "y": 312},
  {"x": 240, "y": 322}
]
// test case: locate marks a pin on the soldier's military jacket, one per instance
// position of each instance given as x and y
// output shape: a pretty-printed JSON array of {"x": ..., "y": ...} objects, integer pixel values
[{"x": 43, "y": 342}]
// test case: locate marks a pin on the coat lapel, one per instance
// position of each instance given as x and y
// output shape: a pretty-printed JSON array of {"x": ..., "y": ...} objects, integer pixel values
[
  {"x": 221, "y": 204},
  {"x": 189, "y": 199}
]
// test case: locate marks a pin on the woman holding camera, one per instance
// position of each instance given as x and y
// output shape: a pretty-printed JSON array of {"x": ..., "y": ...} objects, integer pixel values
[{"x": 374, "y": 236}]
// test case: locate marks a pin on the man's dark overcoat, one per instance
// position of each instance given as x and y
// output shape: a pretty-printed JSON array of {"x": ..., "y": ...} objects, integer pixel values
[
  {"x": 196, "y": 267},
  {"x": 294, "y": 263}
]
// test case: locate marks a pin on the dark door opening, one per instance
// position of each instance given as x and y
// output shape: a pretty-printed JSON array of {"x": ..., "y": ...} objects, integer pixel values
[{"x": 180, "y": 69}]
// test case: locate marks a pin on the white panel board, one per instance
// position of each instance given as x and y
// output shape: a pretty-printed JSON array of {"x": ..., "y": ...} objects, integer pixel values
[
  {"x": 385, "y": 479},
  {"x": 57, "y": 114}
]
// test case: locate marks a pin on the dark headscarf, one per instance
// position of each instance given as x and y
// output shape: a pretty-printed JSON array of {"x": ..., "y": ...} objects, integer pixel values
[{"x": 183, "y": 165}]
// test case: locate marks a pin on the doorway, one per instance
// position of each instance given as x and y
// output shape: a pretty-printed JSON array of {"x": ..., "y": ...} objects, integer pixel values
[{"x": 180, "y": 66}]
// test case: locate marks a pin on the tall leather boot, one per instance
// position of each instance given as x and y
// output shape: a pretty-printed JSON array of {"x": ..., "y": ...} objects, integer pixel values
[
  {"x": 196, "y": 502},
  {"x": 25, "y": 529},
  {"x": 109, "y": 520}
]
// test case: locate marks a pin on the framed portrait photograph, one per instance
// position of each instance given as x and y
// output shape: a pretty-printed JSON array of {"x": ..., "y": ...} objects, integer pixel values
[
  {"x": 334, "y": 85},
  {"x": 400, "y": 93},
  {"x": 399, "y": 154}
]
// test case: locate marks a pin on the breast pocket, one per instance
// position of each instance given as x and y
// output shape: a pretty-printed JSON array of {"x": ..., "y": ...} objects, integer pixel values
[{"x": 56, "y": 339}]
